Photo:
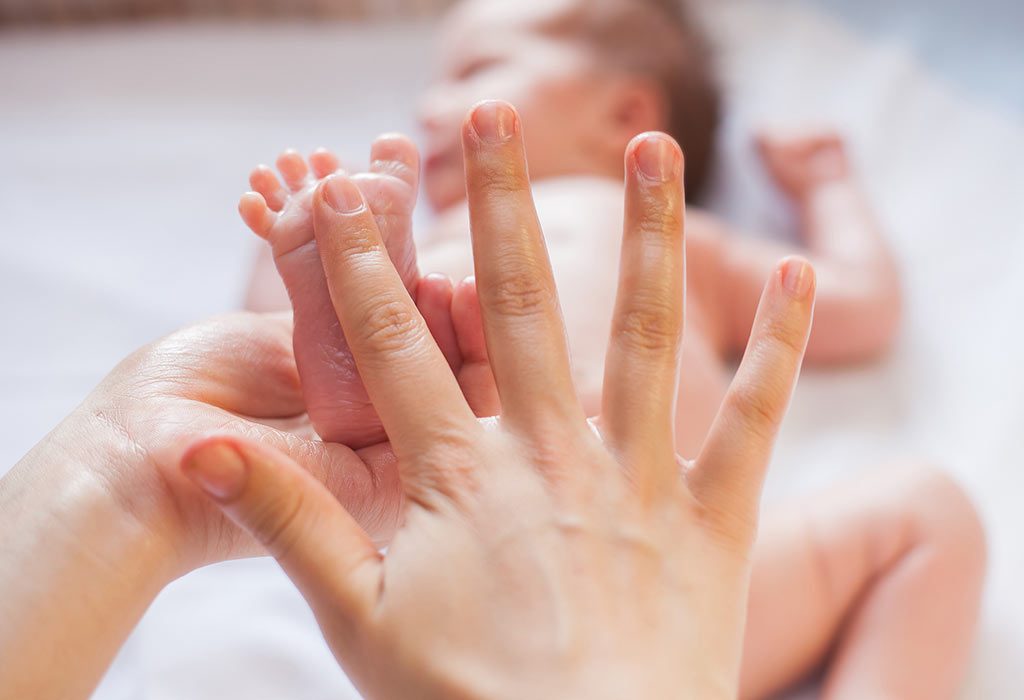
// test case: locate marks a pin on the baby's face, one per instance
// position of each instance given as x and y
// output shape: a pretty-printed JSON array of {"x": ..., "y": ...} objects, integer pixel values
[{"x": 495, "y": 49}]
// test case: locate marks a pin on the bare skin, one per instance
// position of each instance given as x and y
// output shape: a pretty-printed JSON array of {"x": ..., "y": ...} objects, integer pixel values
[
  {"x": 549, "y": 556},
  {"x": 576, "y": 171},
  {"x": 538, "y": 554}
]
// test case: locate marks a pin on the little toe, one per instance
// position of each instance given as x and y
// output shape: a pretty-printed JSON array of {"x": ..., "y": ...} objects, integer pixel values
[
  {"x": 256, "y": 214},
  {"x": 294, "y": 170},
  {"x": 323, "y": 163},
  {"x": 396, "y": 155},
  {"x": 263, "y": 180}
]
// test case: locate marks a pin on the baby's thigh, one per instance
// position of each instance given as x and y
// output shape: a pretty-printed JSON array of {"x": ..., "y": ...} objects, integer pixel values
[{"x": 817, "y": 559}]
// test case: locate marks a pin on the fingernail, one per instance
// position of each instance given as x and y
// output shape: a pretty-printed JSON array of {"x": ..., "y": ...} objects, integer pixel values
[
  {"x": 342, "y": 195},
  {"x": 218, "y": 469},
  {"x": 494, "y": 122},
  {"x": 797, "y": 277},
  {"x": 658, "y": 158}
]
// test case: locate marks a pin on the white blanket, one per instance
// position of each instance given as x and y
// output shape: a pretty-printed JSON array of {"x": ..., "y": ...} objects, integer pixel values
[{"x": 124, "y": 152}]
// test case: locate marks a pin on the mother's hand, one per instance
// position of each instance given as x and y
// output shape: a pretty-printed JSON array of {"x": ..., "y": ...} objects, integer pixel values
[
  {"x": 546, "y": 557},
  {"x": 97, "y": 518},
  {"x": 233, "y": 374}
]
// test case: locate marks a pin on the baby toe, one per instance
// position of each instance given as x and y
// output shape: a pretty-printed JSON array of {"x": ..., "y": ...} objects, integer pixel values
[
  {"x": 263, "y": 180},
  {"x": 293, "y": 169},
  {"x": 256, "y": 214},
  {"x": 396, "y": 155},
  {"x": 323, "y": 162}
]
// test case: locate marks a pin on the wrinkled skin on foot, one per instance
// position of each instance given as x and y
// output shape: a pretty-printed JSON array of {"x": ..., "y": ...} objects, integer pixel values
[{"x": 279, "y": 210}]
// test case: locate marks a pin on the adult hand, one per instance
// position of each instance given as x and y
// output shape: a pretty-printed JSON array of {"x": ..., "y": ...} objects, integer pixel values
[
  {"x": 545, "y": 557},
  {"x": 98, "y": 517}
]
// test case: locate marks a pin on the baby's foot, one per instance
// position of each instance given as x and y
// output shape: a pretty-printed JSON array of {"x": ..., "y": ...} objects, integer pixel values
[
  {"x": 336, "y": 400},
  {"x": 799, "y": 163}
]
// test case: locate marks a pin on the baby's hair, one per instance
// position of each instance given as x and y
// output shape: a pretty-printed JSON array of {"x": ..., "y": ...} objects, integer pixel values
[{"x": 659, "y": 40}]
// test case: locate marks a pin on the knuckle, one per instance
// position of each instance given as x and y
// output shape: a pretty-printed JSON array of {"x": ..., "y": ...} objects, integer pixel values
[
  {"x": 502, "y": 177},
  {"x": 660, "y": 218},
  {"x": 389, "y": 326},
  {"x": 358, "y": 240},
  {"x": 652, "y": 327},
  {"x": 779, "y": 336},
  {"x": 518, "y": 294},
  {"x": 447, "y": 466},
  {"x": 759, "y": 408}
]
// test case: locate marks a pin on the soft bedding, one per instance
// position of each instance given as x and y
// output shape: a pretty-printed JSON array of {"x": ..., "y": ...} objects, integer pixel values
[{"x": 125, "y": 151}]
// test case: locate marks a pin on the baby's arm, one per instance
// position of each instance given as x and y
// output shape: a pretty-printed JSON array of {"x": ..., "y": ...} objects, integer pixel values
[{"x": 858, "y": 307}]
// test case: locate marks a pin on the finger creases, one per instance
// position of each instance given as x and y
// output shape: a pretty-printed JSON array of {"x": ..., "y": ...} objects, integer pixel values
[
  {"x": 398, "y": 361},
  {"x": 523, "y": 327},
  {"x": 318, "y": 544},
  {"x": 641, "y": 368},
  {"x": 729, "y": 473}
]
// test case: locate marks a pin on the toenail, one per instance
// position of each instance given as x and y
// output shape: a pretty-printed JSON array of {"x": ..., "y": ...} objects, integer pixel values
[
  {"x": 494, "y": 122},
  {"x": 342, "y": 195}
]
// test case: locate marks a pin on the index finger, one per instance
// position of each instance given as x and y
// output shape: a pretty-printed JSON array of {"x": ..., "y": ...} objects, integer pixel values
[{"x": 406, "y": 377}]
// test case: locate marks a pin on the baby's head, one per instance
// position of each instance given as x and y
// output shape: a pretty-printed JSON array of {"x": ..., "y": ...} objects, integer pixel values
[{"x": 586, "y": 76}]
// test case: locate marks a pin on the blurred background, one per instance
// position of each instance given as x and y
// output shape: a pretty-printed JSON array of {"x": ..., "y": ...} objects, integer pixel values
[{"x": 128, "y": 127}]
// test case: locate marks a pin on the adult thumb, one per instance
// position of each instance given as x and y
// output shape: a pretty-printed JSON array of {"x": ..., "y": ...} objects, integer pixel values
[{"x": 328, "y": 556}]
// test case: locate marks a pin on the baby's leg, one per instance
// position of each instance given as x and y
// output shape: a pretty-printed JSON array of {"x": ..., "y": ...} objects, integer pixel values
[
  {"x": 878, "y": 581},
  {"x": 338, "y": 405}
]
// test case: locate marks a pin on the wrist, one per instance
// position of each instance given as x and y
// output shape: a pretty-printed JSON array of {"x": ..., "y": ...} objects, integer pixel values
[
  {"x": 825, "y": 186},
  {"x": 80, "y": 568},
  {"x": 87, "y": 472}
]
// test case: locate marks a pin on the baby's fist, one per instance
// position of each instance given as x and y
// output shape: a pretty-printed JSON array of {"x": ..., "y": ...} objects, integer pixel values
[{"x": 801, "y": 162}]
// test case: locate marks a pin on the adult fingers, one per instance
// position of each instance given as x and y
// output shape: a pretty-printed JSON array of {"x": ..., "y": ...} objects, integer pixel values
[
  {"x": 522, "y": 320},
  {"x": 728, "y": 475},
  {"x": 642, "y": 364},
  {"x": 322, "y": 549},
  {"x": 398, "y": 361}
]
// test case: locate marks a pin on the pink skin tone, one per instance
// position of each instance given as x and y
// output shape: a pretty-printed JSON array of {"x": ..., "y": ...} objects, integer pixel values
[
  {"x": 497, "y": 49},
  {"x": 544, "y": 556},
  {"x": 819, "y": 594},
  {"x": 336, "y": 401}
]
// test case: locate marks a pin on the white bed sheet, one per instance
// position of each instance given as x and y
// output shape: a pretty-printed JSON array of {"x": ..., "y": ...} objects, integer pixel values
[{"x": 124, "y": 151}]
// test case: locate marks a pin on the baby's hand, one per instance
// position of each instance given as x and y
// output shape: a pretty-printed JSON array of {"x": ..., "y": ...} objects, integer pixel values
[
  {"x": 800, "y": 163},
  {"x": 336, "y": 401}
]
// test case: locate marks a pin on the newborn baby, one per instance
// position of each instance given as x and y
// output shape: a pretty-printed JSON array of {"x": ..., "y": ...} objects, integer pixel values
[{"x": 877, "y": 581}]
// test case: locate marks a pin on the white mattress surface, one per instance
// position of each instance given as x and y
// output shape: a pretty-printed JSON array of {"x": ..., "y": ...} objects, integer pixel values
[{"x": 124, "y": 152}]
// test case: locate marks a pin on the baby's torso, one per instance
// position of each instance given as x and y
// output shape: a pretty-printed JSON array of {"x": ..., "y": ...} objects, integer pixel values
[{"x": 582, "y": 219}]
